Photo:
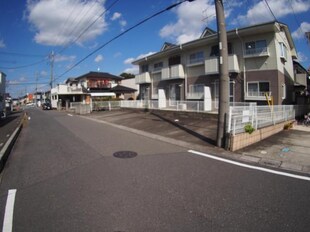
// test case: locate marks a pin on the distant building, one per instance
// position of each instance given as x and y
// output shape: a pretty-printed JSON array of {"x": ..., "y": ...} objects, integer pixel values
[{"x": 88, "y": 88}]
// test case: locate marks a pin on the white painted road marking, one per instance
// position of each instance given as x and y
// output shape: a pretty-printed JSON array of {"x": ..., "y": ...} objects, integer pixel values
[
  {"x": 250, "y": 166},
  {"x": 9, "y": 208},
  {"x": 70, "y": 115}
]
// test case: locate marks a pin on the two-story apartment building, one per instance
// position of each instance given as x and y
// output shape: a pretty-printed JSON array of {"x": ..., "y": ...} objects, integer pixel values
[{"x": 260, "y": 62}]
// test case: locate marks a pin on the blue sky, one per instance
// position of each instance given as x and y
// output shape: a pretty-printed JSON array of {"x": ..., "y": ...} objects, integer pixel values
[{"x": 31, "y": 29}]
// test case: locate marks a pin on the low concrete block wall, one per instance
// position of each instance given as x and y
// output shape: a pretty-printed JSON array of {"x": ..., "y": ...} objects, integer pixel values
[{"x": 245, "y": 139}]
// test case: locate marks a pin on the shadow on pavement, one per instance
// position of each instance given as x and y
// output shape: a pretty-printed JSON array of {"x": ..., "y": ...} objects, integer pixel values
[{"x": 189, "y": 131}]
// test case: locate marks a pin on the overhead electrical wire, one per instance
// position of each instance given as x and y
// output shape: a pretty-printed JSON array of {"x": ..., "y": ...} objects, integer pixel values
[
  {"x": 88, "y": 27},
  {"x": 123, "y": 33},
  {"x": 20, "y": 54}
]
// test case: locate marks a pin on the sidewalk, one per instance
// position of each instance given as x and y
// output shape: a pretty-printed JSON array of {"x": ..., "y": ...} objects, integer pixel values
[{"x": 288, "y": 150}]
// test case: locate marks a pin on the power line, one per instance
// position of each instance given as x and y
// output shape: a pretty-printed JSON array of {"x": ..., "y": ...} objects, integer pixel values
[
  {"x": 26, "y": 66},
  {"x": 79, "y": 19},
  {"x": 25, "y": 83},
  {"x": 88, "y": 27},
  {"x": 121, "y": 34},
  {"x": 270, "y": 10},
  {"x": 20, "y": 54}
]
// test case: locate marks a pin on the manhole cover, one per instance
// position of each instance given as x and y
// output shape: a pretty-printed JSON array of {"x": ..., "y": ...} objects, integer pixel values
[{"x": 125, "y": 154}]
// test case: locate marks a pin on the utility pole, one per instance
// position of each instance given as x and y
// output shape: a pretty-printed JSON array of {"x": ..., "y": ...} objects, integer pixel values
[
  {"x": 36, "y": 88},
  {"x": 52, "y": 68},
  {"x": 223, "y": 75}
]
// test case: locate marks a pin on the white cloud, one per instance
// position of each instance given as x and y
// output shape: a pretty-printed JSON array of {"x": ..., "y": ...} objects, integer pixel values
[
  {"x": 301, "y": 57},
  {"x": 117, "y": 54},
  {"x": 123, "y": 23},
  {"x": 60, "y": 22},
  {"x": 2, "y": 44},
  {"x": 260, "y": 12},
  {"x": 118, "y": 16},
  {"x": 134, "y": 69},
  {"x": 300, "y": 32},
  {"x": 190, "y": 23},
  {"x": 115, "y": 16},
  {"x": 60, "y": 58},
  {"x": 98, "y": 58},
  {"x": 131, "y": 59},
  {"x": 43, "y": 73}
]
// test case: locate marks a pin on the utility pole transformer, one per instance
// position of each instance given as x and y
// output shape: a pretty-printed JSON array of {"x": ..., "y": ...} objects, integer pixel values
[{"x": 223, "y": 76}]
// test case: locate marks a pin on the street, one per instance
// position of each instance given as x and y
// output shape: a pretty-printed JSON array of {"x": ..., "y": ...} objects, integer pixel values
[{"x": 73, "y": 174}]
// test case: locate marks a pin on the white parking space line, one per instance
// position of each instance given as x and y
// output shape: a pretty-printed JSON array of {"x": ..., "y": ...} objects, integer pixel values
[
  {"x": 250, "y": 166},
  {"x": 9, "y": 208}
]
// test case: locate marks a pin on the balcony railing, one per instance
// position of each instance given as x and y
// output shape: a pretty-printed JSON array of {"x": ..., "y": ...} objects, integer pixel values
[
  {"x": 257, "y": 95},
  {"x": 255, "y": 52},
  {"x": 143, "y": 78},
  {"x": 173, "y": 72},
  {"x": 195, "y": 95},
  {"x": 212, "y": 67}
]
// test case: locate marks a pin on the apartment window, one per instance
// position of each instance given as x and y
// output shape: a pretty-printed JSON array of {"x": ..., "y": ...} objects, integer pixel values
[
  {"x": 144, "y": 68},
  {"x": 196, "y": 57},
  {"x": 158, "y": 66},
  {"x": 174, "y": 60},
  {"x": 256, "y": 47},
  {"x": 283, "y": 51},
  {"x": 196, "y": 91},
  {"x": 258, "y": 89},
  {"x": 216, "y": 52}
]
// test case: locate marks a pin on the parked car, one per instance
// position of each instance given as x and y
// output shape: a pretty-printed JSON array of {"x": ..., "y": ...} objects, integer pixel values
[{"x": 46, "y": 106}]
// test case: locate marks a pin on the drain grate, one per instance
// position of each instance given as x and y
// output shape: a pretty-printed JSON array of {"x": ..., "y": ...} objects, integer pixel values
[{"x": 125, "y": 154}]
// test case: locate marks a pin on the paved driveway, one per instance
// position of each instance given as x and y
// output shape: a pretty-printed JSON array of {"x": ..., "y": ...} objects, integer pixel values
[{"x": 289, "y": 149}]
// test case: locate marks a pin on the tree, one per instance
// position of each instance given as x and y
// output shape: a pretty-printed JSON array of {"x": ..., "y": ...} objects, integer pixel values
[{"x": 127, "y": 75}]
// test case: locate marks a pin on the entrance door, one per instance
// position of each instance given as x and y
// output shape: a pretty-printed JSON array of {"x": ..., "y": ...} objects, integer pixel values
[
  {"x": 174, "y": 94},
  {"x": 217, "y": 94}
]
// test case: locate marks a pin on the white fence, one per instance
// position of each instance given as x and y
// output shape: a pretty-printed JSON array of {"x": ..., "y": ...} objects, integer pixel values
[
  {"x": 258, "y": 116},
  {"x": 192, "y": 106},
  {"x": 105, "y": 105}
]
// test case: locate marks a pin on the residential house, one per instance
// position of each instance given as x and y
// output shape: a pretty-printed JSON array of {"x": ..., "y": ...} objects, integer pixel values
[
  {"x": 302, "y": 84},
  {"x": 260, "y": 63},
  {"x": 99, "y": 84},
  {"x": 88, "y": 88},
  {"x": 64, "y": 94},
  {"x": 128, "y": 90}
]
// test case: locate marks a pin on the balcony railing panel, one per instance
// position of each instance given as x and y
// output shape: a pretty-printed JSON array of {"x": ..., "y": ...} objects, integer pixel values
[
  {"x": 143, "y": 78},
  {"x": 255, "y": 52},
  {"x": 173, "y": 72},
  {"x": 212, "y": 67}
]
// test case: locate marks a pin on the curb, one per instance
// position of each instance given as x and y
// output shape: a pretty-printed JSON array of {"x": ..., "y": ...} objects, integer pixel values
[{"x": 6, "y": 149}]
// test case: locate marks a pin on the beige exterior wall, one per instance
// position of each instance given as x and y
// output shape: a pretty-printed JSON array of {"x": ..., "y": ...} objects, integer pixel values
[
  {"x": 267, "y": 67},
  {"x": 284, "y": 66}
]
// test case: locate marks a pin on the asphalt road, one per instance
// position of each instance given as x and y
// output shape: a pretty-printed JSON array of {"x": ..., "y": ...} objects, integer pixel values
[{"x": 67, "y": 179}]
